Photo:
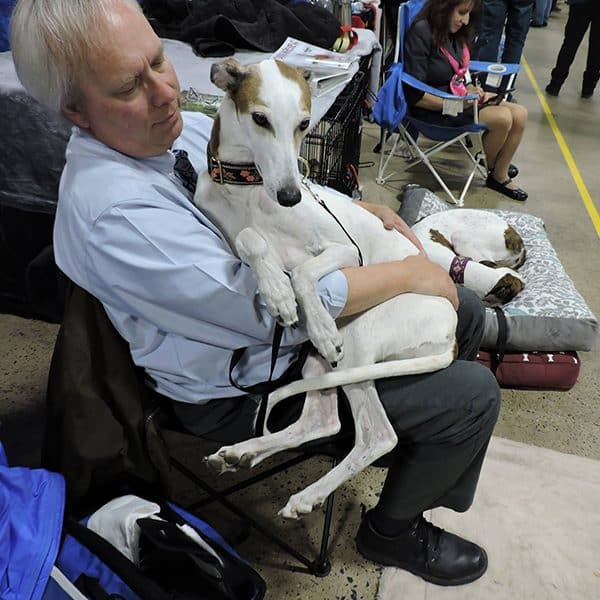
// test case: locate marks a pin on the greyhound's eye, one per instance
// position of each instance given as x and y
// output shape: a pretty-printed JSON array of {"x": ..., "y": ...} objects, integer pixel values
[
  {"x": 304, "y": 125},
  {"x": 260, "y": 119}
]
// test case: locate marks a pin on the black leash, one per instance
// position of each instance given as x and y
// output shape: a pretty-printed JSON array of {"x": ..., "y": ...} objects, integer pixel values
[
  {"x": 502, "y": 338},
  {"x": 322, "y": 203},
  {"x": 264, "y": 388}
]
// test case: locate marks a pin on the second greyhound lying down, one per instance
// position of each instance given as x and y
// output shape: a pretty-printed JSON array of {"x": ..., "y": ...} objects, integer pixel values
[
  {"x": 281, "y": 227},
  {"x": 478, "y": 248}
]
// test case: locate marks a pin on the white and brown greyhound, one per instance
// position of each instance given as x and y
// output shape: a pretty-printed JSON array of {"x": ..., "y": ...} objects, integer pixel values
[{"x": 280, "y": 227}]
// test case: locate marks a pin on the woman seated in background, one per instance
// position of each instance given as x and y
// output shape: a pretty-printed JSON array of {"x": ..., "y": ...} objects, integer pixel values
[{"x": 436, "y": 48}]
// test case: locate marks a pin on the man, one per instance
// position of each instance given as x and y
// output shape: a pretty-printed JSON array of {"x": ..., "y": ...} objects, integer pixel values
[
  {"x": 509, "y": 16},
  {"x": 127, "y": 232}
]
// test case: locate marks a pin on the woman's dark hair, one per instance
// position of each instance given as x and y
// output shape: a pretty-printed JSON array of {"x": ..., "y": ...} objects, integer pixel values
[{"x": 437, "y": 13}]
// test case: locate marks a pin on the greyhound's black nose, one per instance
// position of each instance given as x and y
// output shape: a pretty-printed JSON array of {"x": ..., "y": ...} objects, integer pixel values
[{"x": 289, "y": 196}]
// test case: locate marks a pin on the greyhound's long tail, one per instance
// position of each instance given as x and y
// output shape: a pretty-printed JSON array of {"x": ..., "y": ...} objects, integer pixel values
[{"x": 394, "y": 368}]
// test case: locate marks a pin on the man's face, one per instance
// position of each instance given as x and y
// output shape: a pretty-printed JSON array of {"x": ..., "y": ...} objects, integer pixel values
[{"x": 129, "y": 97}]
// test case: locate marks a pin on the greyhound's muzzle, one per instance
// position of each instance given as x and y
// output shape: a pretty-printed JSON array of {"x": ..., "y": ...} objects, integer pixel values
[{"x": 289, "y": 196}]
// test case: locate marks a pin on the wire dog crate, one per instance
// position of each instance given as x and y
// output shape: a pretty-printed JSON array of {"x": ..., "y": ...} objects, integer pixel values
[{"x": 332, "y": 148}]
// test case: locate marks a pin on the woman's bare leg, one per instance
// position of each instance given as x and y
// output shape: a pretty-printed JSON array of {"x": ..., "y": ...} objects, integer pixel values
[
  {"x": 496, "y": 118},
  {"x": 505, "y": 156}
]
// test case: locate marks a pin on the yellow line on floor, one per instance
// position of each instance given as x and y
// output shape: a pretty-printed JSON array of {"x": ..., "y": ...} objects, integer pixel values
[{"x": 582, "y": 188}]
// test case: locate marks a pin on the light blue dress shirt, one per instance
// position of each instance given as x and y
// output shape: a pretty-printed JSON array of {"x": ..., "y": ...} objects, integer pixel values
[{"x": 127, "y": 232}]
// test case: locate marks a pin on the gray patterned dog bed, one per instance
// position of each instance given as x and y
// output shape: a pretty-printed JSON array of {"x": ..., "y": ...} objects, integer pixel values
[{"x": 549, "y": 314}]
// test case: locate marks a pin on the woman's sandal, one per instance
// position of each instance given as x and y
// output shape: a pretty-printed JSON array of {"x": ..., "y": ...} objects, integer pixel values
[{"x": 516, "y": 194}]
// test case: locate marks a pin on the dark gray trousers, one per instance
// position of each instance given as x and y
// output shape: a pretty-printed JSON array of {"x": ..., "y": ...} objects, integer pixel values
[{"x": 443, "y": 420}]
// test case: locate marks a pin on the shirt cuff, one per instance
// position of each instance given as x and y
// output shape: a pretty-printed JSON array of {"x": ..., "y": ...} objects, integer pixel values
[{"x": 333, "y": 291}]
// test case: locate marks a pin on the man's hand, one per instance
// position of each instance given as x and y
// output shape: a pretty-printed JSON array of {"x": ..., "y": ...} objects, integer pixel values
[
  {"x": 392, "y": 220},
  {"x": 429, "y": 278}
]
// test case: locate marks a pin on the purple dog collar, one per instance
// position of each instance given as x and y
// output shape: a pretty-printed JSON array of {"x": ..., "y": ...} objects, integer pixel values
[{"x": 457, "y": 268}]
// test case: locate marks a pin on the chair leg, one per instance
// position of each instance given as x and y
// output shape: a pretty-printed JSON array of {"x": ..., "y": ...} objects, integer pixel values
[
  {"x": 424, "y": 158},
  {"x": 319, "y": 567},
  {"x": 322, "y": 565},
  {"x": 383, "y": 161}
]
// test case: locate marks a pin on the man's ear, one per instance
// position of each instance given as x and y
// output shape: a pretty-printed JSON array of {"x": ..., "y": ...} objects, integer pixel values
[{"x": 76, "y": 115}]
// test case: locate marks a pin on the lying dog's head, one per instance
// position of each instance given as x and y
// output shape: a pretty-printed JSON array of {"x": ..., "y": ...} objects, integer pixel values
[{"x": 267, "y": 109}]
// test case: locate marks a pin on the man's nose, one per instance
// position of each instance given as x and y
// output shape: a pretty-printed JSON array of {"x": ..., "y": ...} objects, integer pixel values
[{"x": 162, "y": 90}]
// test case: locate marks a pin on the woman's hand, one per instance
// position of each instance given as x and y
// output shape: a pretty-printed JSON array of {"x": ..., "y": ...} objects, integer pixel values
[
  {"x": 475, "y": 89},
  {"x": 392, "y": 220},
  {"x": 488, "y": 97}
]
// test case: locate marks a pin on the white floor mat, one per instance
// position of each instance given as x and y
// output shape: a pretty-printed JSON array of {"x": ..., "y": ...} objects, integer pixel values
[{"x": 537, "y": 514}]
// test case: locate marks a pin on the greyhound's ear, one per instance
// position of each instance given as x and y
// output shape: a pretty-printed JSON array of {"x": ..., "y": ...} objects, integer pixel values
[{"x": 228, "y": 75}]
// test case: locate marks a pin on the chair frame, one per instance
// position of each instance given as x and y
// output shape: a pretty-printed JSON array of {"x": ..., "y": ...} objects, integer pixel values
[
  {"x": 320, "y": 565},
  {"x": 413, "y": 154}
]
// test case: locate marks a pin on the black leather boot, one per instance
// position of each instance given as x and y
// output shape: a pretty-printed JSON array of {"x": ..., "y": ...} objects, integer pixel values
[
  {"x": 589, "y": 84},
  {"x": 424, "y": 550},
  {"x": 553, "y": 88}
]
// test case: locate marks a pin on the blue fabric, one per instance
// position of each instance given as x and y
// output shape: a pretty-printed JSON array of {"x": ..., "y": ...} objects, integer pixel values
[
  {"x": 441, "y": 133},
  {"x": 31, "y": 514},
  {"x": 75, "y": 559},
  {"x": 390, "y": 107},
  {"x": 541, "y": 11},
  {"x": 6, "y": 7}
]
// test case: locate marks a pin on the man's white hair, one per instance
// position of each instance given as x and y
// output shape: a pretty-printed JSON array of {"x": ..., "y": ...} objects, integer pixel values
[{"x": 51, "y": 41}]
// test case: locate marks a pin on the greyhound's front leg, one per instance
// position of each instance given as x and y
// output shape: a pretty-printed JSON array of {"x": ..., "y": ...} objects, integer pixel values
[
  {"x": 273, "y": 284},
  {"x": 320, "y": 325},
  {"x": 374, "y": 437},
  {"x": 319, "y": 419},
  {"x": 493, "y": 285}
]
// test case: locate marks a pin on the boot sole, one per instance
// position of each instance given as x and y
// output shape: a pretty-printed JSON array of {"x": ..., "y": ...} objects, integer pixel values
[{"x": 386, "y": 561}]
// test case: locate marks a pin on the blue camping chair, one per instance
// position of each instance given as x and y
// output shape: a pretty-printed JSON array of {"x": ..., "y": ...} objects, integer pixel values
[{"x": 400, "y": 131}]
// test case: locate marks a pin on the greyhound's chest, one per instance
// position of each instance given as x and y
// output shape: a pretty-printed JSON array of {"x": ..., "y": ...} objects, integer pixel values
[{"x": 298, "y": 233}]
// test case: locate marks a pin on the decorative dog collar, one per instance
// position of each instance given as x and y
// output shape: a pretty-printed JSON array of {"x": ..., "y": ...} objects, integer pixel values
[
  {"x": 235, "y": 174},
  {"x": 457, "y": 268}
]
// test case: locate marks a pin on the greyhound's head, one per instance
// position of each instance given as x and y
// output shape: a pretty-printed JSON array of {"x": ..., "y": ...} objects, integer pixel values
[{"x": 262, "y": 120}]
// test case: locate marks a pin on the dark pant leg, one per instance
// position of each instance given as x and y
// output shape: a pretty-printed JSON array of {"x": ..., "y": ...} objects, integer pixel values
[
  {"x": 490, "y": 30},
  {"x": 575, "y": 29},
  {"x": 592, "y": 71},
  {"x": 517, "y": 27},
  {"x": 471, "y": 324},
  {"x": 444, "y": 421}
]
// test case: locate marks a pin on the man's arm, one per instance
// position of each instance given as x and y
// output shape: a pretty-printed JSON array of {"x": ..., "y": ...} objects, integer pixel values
[
  {"x": 391, "y": 220},
  {"x": 161, "y": 265},
  {"x": 374, "y": 284}
]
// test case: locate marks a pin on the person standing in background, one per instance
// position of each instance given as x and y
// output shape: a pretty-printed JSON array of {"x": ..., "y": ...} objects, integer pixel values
[
  {"x": 583, "y": 14},
  {"x": 541, "y": 13},
  {"x": 516, "y": 14}
]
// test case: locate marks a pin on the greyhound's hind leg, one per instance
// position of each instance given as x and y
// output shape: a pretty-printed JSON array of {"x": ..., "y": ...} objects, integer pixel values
[
  {"x": 374, "y": 437},
  {"x": 319, "y": 419}
]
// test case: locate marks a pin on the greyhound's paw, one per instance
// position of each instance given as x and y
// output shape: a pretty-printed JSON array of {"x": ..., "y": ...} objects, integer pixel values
[
  {"x": 326, "y": 338},
  {"x": 300, "y": 504},
  {"x": 507, "y": 284},
  {"x": 279, "y": 297},
  {"x": 229, "y": 459}
]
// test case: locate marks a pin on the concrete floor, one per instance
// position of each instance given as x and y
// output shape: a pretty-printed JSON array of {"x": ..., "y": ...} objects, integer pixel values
[{"x": 564, "y": 421}]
